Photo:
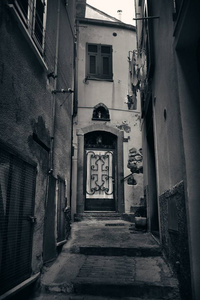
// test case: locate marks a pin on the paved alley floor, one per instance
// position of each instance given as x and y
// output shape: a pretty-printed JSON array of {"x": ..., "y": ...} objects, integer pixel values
[{"x": 108, "y": 260}]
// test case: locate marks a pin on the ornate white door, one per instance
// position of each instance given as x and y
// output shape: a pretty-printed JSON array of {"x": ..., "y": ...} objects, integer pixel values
[{"x": 99, "y": 180}]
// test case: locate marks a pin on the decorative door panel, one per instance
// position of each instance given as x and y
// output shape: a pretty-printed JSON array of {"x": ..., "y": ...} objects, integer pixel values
[{"x": 99, "y": 180}]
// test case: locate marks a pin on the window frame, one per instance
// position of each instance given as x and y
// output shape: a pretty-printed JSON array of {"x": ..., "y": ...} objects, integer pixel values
[
  {"x": 29, "y": 21},
  {"x": 98, "y": 74}
]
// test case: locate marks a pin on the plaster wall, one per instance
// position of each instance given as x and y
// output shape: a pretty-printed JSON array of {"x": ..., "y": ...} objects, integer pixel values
[
  {"x": 181, "y": 133},
  {"x": 165, "y": 98},
  {"x": 28, "y": 105},
  {"x": 187, "y": 44},
  {"x": 113, "y": 94},
  {"x": 169, "y": 149},
  {"x": 190, "y": 107},
  {"x": 175, "y": 94}
]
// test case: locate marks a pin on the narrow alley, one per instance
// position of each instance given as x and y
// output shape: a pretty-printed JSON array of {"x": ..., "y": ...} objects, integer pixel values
[
  {"x": 108, "y": 258},
  {"x": 99, "y": 149}
]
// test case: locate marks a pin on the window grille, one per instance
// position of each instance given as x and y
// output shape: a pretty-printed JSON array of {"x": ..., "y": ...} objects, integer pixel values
[{"x": 17, "y": 193}]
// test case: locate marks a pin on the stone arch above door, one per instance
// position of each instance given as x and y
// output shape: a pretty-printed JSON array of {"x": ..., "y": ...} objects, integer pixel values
[
  {"x": 119, "y": 166},
  {"x": 99, "y": 127}
]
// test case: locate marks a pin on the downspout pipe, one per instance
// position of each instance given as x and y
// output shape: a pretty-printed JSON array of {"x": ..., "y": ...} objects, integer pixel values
[
  {"x": 75, "y": 109},
  {"x": 55, "y": 87},
  {"x": 75, "y": 105}
]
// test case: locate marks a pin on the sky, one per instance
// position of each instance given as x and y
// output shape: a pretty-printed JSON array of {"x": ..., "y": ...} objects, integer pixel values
[{"x": 112, "y": 6}]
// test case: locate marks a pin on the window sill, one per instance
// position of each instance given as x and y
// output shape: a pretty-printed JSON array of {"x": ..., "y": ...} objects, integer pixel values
[
  {"x": 100, "y": 119},
  {"x": 27, "y": 36},
  {"x": 100, "y": 79}
]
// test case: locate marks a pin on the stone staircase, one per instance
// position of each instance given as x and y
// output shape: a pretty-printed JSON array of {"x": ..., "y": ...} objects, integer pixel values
[
  {"x": 124, "y": 276},
  {"x": 97, "y": 216},
  {"x": 109, "y": 259}
]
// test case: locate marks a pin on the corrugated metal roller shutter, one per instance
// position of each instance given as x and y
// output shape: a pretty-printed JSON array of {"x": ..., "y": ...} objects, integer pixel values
[{"x": 17, "y": 193}]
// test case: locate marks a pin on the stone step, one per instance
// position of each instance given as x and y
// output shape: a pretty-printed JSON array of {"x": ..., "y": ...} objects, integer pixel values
[
  {"x": 122, "y": 291},
  {"x": 97, "y": 216},
  {"x": 89, "y": 297},
  {"x": 61, "y": 296},
  {"x": 126, "y": 277},
  {"x": 153, "y": 250}
]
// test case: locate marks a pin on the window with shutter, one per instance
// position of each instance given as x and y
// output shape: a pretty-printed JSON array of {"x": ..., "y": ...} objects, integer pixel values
[
  {"x": 99, "y": 62},
  {"x": 32, "y": 13}
]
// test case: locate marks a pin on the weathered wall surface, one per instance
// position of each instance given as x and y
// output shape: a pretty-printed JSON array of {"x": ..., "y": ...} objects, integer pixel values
[
  {"x": 187, "y": 43},
  {"x": 113, "y": 93},
  {"x": 27, "y": 105},
  {"x": 175, "y": 97}
]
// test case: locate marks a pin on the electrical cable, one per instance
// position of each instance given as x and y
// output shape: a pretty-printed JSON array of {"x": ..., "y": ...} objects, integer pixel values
[{"x": 65, "y": 100}]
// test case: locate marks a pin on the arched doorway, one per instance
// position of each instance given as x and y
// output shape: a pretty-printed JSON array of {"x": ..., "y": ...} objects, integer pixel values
[
  {"x": 112, "y": 141},
  {"x": 100, "y": 171}
]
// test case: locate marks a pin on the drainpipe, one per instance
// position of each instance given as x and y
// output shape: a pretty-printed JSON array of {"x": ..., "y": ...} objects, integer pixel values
[
  {"x": 55, "y": 86},
  {"x": 75, "y": 109}
]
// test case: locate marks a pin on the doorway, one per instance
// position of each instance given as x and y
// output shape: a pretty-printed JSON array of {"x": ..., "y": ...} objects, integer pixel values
[{"x": 100, "y": 171}]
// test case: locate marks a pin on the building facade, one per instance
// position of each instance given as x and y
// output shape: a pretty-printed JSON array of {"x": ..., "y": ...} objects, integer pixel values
[
  {"x": 168, "y": 39},
  {"x": 36, "y": 108},
  {"x": 107, "y": 125}
]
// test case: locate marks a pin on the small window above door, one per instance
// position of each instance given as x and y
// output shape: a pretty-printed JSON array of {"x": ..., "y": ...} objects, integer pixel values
[{"x": 101, "y": 113}]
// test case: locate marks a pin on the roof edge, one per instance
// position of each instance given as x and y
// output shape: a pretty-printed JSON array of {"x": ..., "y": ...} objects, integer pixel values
[
  {"x": 107, "y": 23},
  {"x": 105, "y": 14}
]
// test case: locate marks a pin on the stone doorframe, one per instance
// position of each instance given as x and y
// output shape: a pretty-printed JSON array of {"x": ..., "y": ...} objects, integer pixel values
[{"x": 80, "y": 164}]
